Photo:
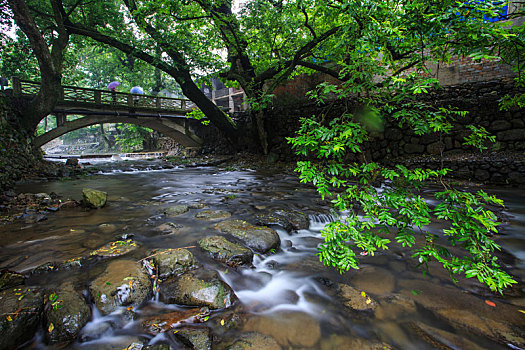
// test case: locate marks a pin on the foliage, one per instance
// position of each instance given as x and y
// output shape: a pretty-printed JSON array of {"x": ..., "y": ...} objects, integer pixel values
[
  {"x": 131, "y": 136},
  {"x": 197, "y": 114},
  {"x": 17, "y": 59},
  {"x": 384, "y": 53},
  {"x": 512, "y": 51}
]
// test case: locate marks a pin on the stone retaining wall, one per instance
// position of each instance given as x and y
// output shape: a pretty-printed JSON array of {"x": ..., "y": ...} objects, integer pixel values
[{"x": 397, "y": 144}]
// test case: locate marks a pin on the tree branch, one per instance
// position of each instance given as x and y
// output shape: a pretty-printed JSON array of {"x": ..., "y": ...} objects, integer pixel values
[
  {"x": 319, "y": 68},
  {"x": 304, "y": 51},
  {"x": 306, "y": 24}
]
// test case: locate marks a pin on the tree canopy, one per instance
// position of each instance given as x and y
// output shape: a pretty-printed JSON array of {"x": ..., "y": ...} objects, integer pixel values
[{"x": 379, "y": 53}]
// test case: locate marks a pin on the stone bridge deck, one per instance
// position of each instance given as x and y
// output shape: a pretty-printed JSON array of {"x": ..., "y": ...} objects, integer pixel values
[{"x": 164, "y": 114}]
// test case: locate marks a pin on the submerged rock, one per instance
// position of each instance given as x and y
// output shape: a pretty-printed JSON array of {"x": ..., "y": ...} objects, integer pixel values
[
  {"x": 197, "y": 288},
  {"x": 212, "y": 214},
  {"x": 94, "y": 198},
  {"x": 374, "y": 280},
  {"x": 295, "y": 329},
  {"x": 254, "y": 341},
  {"x": 66, "y": 313},
  {"x": 493, "y": 329},
  {"x": 123, "y": 283},
  {"x": 175, "y": 210},
  {"x": 168, "y": 228},
  {"x": 20, "y": 313},
  {"x": 442, "y": 339},
  {"x": 223, "y": 250},
  {"x": 395, "y": 307},
  {"x": 339, "y": 342},
  {"x": 259, "y": 238},
  {"x": 172, "y": 261},
  {"x": 107, "y": 228},
  {"x": 9, "y": 279}
]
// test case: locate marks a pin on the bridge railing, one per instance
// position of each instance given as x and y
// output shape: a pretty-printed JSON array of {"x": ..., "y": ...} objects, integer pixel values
[{"x": 104, "y": 97}]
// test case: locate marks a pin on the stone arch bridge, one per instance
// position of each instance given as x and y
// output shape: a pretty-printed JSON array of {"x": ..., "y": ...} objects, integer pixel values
[{"x": 163, "y": 114}]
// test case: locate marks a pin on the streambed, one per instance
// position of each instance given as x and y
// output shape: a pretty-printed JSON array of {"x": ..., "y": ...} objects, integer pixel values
[{"x": 286, "y": 299}]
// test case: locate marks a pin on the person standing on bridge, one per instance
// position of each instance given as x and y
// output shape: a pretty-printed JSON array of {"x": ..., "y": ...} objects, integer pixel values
[
  {"x": 136, "y": 90},
  {"x": 113, "y": 88}
]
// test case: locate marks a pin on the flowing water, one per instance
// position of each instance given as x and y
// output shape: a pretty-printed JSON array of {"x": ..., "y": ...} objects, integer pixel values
[{"x": 288, "y": 295}]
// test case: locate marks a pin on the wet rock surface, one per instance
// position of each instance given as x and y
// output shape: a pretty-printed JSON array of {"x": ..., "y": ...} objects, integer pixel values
[
  {"x": 94, "y": 198},
  {"x": 123, "y": 283},
  {"x": 197, "y": 338},
  {"x": 20, "y": 312},
  {"x": 164, "y": 322},
  {"x": 226, "y": 251},
  {"x": 261, "y": 239},
  {"x": 168, "y": 228},
  {"x": 66, "y": 313},
  {"x": 197, "y": 288},
  {"x": 286, "y": 218},
  {"x": 172, "y": 261},
  {"x": 10, "y": 279},
  {"x": 212, "y": 214},
  {"x": 116, "y": 248},
  {"x": 356, "y": 300},
  {"x": 175, "y": 210}
]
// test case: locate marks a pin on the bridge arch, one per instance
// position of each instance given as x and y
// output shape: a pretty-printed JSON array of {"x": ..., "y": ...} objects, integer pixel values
[{"x": 176, "y": 128}]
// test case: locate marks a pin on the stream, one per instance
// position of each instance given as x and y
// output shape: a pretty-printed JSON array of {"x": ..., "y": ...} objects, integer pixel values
[{"x": 287, "y": 295}]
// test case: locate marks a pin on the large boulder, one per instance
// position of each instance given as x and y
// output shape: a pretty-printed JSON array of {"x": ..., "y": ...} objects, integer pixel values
[
  {"x": 287, "y": 218},
  {"x": 123, "y": 283},
  {"x": 94, "y": 198},
  {"x": 223, "y": 250},
  {"x": 262, "y": 239},
  {"x": 197, "y": 288},
  {"x": 20, "y": 313},
  {"x": 170, "y": 262},
  {"x": 66, "y": 313}
]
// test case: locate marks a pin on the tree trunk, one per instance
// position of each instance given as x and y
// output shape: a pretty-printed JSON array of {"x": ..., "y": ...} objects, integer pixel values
[
  {"x": 261, "y": 131},
  {"x": 49, "y": 62}
]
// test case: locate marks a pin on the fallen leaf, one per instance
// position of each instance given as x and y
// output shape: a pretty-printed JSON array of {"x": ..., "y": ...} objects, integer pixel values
[
  {"x": 363, "y": 294},
  {"x": 490, "y": 303},
  {"x": 222, "y": 322},
  {"x": 9, "y": 318},
  {"x": 51, "y": 327},
  {"x": 522, "y": 311}
]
